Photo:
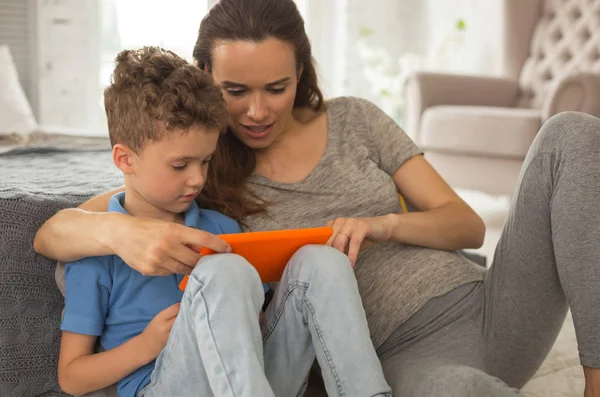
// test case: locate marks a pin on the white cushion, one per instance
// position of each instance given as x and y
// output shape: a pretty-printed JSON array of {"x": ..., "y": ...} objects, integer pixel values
[
  {"x": 16, "y": 116},
  {"x": 479, "y": 130}
]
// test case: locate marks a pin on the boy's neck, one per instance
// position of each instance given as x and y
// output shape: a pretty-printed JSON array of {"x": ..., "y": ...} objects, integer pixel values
[{"x": 135, "y": 205}]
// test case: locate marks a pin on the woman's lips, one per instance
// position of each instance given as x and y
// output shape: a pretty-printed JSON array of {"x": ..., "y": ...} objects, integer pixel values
[{"x": 258, "y": 132}]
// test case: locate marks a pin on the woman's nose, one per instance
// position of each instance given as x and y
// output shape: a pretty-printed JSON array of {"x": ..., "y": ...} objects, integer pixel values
[{"x": 257, "y": 109}]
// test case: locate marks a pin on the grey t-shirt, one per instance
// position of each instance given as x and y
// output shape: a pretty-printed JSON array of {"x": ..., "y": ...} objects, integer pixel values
[{"x": 354, "y": 179}]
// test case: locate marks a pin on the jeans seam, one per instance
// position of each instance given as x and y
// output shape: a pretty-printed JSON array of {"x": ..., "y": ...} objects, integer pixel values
[
  {"x": 201, "y": 285},
  {"x": 279, "y": 312},
  {"x": 324, "y": 348}
]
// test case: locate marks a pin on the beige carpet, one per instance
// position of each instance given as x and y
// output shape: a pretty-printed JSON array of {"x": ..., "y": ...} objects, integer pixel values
[{"x": 560, "y": 375}]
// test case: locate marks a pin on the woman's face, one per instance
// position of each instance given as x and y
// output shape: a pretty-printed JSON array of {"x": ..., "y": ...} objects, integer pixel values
[{"x": 259, "y": 81}]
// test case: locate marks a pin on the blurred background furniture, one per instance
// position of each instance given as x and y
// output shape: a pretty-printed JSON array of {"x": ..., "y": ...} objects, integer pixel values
[{"x": 476, "y": 130}]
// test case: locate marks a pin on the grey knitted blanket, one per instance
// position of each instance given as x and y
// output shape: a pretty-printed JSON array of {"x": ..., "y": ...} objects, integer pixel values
[{"x": 34, "y": 184}]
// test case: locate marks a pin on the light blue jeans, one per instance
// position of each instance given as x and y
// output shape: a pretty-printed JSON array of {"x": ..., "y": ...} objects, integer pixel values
[{"x": 218, "y": 348}]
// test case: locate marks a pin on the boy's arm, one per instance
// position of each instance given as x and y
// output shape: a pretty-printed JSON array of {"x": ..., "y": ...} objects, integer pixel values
[{"x": 80, "y": 371}]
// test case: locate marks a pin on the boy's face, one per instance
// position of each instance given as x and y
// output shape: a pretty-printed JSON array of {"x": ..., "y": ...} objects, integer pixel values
[{"x": 170, "y": 173}]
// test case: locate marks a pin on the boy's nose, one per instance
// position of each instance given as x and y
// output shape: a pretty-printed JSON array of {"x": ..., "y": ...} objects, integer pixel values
[{"x": 196, "y": 178}]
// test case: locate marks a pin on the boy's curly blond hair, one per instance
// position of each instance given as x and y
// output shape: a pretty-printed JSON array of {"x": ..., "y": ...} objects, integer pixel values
[{"x": 153, "y": 91}]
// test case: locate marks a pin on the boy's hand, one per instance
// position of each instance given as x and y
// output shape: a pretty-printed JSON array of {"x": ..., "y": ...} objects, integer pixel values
[{"x": 156, "y": 334}]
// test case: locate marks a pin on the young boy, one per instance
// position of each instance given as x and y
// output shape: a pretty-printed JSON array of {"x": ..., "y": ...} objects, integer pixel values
[{"x": 164, "y": 117}]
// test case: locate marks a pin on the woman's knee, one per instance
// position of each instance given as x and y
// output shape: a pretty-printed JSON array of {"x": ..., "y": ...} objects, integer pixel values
[{"x": 569, "y": 131}]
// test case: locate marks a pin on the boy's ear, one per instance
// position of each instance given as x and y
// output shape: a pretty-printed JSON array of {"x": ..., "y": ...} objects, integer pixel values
[{"x": 123, "y": 158}]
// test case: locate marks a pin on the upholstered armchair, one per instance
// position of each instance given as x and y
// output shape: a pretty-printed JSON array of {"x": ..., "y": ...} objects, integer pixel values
[{"x": 476, "y": 130}]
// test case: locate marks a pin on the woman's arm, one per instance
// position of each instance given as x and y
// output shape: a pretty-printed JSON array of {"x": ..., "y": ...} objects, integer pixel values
[
  {"x": 150, "y": 246},
  {"x": 74, "y": 233},
  {"x": 444, "y": 220},
  {"x": 80, "y": 371}
]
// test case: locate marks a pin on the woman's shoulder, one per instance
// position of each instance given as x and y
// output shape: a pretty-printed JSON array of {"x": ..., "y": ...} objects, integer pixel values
[
  {"x": 350, "y": 113},
  {"x": 345, "y": 103},
  {"x": 352, "y": 110}
]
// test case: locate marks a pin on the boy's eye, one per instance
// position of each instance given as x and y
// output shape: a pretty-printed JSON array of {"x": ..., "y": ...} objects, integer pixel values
[{"x": 179, "y": 167}]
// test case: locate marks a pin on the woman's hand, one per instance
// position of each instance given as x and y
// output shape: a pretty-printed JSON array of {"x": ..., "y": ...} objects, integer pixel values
[
  {"x": 157, "y": 248},
  {"x": 352, "y": 234}
]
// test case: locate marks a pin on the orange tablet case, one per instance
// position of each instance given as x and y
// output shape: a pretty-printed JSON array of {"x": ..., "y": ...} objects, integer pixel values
[{"x": 269, "y": 252}]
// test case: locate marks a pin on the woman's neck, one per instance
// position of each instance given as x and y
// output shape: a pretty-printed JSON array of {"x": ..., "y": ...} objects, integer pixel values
[{"x": 298, "y": 149}]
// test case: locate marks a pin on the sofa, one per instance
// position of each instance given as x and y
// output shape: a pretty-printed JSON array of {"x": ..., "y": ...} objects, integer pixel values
[
  {"x": 476, "y": 130},
  {"x": 36, "y": 183}
]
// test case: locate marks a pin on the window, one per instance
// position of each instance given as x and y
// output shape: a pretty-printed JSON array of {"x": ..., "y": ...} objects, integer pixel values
[
  {"x": 124, "y": 26},
  {"x": 78, "y": 42}
]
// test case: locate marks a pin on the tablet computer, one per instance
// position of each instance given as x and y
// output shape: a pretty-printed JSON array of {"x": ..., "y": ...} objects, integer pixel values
[{"x": 269, "y": 252}]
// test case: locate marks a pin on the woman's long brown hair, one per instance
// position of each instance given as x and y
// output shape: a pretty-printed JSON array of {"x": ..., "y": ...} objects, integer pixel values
[{"x": 226, "y": 189}]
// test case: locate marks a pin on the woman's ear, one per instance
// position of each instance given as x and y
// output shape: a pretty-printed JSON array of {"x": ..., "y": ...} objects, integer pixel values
[
  {"x": 300, "y": 71},
  {"x": 123, "y": 158}
]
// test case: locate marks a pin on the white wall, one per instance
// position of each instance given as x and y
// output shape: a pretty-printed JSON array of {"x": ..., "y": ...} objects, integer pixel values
[
  {"x": 17, "y": 30},
  {"x": 67, "y": 63}
]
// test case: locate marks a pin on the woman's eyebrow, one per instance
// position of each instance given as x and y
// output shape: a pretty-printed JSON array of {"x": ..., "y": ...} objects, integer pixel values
[
  {"x": 229, "y": 84},
  {"x": 280, "y": 81}
]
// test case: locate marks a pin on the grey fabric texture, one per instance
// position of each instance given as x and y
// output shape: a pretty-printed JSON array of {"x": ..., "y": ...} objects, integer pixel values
[
  {"x": 364, "y": 148},
  {"x": 33, "y": 186}
]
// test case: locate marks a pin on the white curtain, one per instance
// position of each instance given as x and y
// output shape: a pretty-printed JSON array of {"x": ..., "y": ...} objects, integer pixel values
[{"x": 365, "y": 48}]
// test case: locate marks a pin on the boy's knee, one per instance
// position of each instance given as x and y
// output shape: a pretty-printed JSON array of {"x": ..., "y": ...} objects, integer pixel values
[
  {"x": 228, "y": 270},
  {"x": 322, "y": 262}
]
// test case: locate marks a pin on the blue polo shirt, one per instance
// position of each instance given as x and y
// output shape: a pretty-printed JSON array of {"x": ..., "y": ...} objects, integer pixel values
[{"x": 107, "y": 298}]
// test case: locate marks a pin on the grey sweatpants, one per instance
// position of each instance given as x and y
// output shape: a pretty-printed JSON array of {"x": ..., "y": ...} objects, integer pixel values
[{"x": 486, "y": 339}]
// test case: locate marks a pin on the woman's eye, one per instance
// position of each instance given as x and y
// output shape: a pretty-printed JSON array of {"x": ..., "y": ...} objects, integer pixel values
[
  {"x": 179, "y": 167},
  {"x": 235, "y": 92},
  {"x": 277, "y": 90},
  {"x": 206, "y": 161}
]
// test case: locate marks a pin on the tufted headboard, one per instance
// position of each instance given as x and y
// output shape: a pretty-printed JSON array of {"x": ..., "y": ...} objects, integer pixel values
[{"x": 565, "y": 40}]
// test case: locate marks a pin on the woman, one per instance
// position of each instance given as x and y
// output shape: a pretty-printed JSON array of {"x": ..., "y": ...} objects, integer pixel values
[{"x": 440, "y": 324}]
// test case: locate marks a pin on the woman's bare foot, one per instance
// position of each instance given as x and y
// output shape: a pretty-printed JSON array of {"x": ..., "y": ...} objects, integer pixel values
[{"x": 592, "y": 382}]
